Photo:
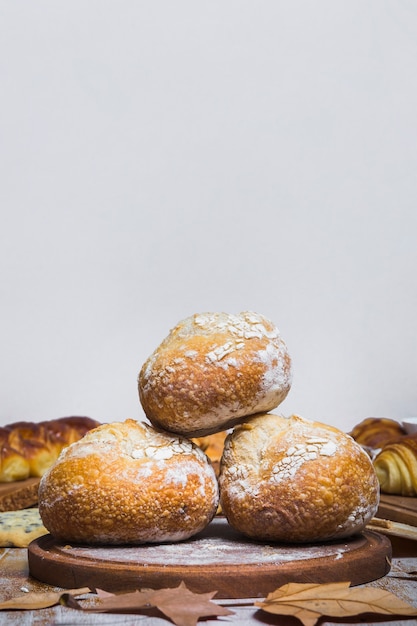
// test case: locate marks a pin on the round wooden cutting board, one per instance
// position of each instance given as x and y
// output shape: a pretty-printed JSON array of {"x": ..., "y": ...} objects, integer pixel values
[{"x": 216, "y": 559}]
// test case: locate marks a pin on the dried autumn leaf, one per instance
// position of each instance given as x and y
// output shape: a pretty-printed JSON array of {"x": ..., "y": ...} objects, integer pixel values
[
  {"x": 308, "y": 602},
  {"x": 180, "y": 604},
  {"x": 32, "y": 600},
  {"x": 184, "y": 607},
  {"x": 116, "y": 603}
]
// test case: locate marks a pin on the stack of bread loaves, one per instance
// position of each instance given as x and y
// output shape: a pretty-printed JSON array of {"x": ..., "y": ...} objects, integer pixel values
[{"x": 280, "y": 479}]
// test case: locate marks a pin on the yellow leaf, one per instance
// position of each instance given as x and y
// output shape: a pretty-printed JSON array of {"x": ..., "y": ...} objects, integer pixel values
[
  {"x": 308, "y": 602},
  {"x": 32, "y": 600}
]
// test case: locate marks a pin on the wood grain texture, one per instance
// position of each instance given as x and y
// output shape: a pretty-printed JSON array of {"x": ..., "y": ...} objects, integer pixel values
[
  {"x": 217, "y": 559},
  {"x": 20, "y": 494},
  {"x": 398, "y": 508}
]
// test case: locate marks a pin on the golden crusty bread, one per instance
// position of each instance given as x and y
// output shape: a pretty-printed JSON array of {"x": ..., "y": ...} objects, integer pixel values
[
  {"x": 28, "y": 448},
  {"x": 396, "y": 467},
  {"x": 212, "y": 370},
  {"x": 128, "y": 483},
  {"x": 292, "y": 480},
  {"x": 376, "y": 432}
]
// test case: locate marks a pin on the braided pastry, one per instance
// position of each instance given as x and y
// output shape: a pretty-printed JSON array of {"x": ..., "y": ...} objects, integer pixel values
[
  {"x": 396, "y": 467},
  {"x": 376, "y": 432},
  {"x": 13, "y": 466},
  {"x": 28, "y": 449}
]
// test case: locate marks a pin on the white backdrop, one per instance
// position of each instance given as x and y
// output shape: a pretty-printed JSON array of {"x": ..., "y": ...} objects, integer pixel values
[{"x": 160, "y": 159}]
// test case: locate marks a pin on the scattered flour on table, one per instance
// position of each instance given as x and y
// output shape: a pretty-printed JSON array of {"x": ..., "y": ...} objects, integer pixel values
[{"x": 211, "y": 548}]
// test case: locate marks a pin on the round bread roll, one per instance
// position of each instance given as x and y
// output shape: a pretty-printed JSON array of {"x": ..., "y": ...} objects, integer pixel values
[
  {"x": 291, "y": 480},
  {"x": 127, "y": 483},
  {"x": 212, "y": 370}
]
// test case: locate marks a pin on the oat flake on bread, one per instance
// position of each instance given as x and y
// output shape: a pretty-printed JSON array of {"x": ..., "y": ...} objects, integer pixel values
[{"x": 213, "y": 370}]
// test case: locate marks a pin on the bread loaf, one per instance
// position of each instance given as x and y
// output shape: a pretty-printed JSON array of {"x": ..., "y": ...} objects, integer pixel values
[
  {"x": 128, "y": 483},
  {"x": 376, "y": 432},
  {"x": 29, "y": 448},
  {"x": 396, "y": 467},
  {"x": 291, "y": 480},
  {"x": 212, "y": 370}
]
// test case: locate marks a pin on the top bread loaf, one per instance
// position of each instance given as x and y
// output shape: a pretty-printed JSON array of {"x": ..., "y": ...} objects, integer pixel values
[{"x": 212, "y": 371}]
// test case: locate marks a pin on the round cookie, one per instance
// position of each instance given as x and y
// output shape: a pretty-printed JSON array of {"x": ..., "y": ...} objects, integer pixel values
[
  {"x": 128, "y": 483},
  {"x": 291, "y": 480},
  {"x": 212, "y": 370}
]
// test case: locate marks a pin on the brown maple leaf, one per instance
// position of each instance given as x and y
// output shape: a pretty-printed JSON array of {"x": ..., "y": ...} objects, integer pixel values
[
  {"x": 179, "y": 604},
  {"x": 184, "y": 607},
  {"x": 308, "y": 601}
]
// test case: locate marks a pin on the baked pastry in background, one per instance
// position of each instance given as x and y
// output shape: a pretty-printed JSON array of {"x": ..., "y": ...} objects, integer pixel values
[
  {"x": 376, "y": 432},
  {"x": 212, "y": 370},
  {"x": 128, "y": 483},
  {"x": 396, "y": 467},
  {"x": 13, "y": 465},
  {"x": 27, "y": 448},
  {"x": 292, "y": 480},
  {"x": 213, "y": 446},
  {"x": 19, "y": 528}
]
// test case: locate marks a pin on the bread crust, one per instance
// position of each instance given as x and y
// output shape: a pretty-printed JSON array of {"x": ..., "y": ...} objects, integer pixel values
[
  {"x": 291, "y": 480},
  {"x": 128, "y": 483},
  {"x": 213, "y": 370}
]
